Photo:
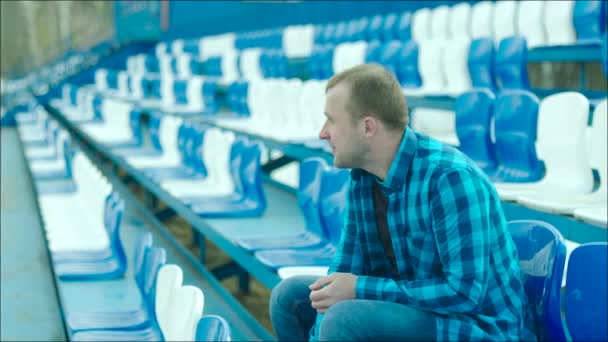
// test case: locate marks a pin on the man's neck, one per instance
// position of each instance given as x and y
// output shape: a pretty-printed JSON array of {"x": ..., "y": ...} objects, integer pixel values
[{"x": 382, "y": 154}]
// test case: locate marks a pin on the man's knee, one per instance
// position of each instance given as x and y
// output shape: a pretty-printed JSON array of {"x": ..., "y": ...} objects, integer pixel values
[
  {"x": 337, "y": 324},
  {"x": 290, "y": 290}
]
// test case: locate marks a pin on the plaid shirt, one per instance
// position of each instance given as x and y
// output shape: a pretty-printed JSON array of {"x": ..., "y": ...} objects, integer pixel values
[{"x": 453, "y": 251}]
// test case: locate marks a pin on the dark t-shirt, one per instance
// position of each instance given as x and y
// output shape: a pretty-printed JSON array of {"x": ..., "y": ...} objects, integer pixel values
[{"x": 380, "y": 208}]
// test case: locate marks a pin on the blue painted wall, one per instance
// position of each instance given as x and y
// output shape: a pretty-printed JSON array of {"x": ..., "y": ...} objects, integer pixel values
[
  {"x": 137, "y": 20},
  {"x": 200, "y": 18}
]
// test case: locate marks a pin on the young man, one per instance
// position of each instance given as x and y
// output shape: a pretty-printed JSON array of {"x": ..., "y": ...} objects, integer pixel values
[{"x": 425, "y": 253}]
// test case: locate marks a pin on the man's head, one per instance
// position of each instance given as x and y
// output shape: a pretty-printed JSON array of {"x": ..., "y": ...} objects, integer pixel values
[{"x": 362, "y": 103}]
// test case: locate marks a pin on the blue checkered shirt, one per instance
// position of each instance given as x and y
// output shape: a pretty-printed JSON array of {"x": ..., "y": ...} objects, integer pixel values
[{"x": 454, "y": 254}]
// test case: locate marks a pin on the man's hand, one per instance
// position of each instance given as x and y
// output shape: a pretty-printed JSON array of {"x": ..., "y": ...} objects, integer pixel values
[{"x": 327, "y": 291}]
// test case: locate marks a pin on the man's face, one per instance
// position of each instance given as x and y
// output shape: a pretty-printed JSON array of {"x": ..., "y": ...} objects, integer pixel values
[{"x": 347, "y": 143}]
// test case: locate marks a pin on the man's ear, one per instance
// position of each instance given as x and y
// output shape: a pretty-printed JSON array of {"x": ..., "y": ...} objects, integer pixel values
[{"x": 370, "y": 126}]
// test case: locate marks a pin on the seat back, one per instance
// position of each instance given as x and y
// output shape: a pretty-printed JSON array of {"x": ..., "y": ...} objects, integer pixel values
[
  {"x": 474, "y": 113},
  {"x": 154, "y": 260},
  {"x": 113, "y": 216},
  {"x": 586, "y": 292},
  {"x": 511, "y": 63},
  {"x": 309, "y": 192},
  {"x": 542, "y": 255},
  {"x": 481, "y": 19},
  {"x": 332, "y": 203},
  {"x": 504, "y": 20},
  {"x": 169, "y": 279},
  {"x": 389, "y": 55},
  {"x": 455, "y": 65},
  {"x": 403, "y": 27},
  {"x": 558, "y": 22},
  {"x": 389, "y": 27},
  {"x": 184, "y": 311},
  {"x": 429, "y": 65},
  {"x": 421, "y": 24},
  {"x": 440, "y": 20},
  {"x": 142, "y": 248},
  {"x": 589, "y": 20},
  {"x": 530, "y": 18},
  {"x": 374, "y": 30},
  {"x": 407, "y": 65},
  {"x": 480, "y": 62},
  {"x": 516, "y": 118},
  {"x": 597, "y": 147},
  {"x": 562, "y": 140},
  {"x": 459, "y": 25},
  {"x": 213, "y": 328}
]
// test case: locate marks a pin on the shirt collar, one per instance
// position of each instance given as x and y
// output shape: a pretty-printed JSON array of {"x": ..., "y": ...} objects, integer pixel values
[{"x": 400, "y": 165}]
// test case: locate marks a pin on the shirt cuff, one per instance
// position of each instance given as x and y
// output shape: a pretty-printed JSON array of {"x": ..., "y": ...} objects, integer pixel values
[{"x": 369, "y": 288}]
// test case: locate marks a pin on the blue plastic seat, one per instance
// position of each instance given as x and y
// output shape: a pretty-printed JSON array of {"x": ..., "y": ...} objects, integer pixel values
[
  {"x": 107, "y": 268},
  {"x": 375, "y": 28},
  {"x": 589, "y": 19},
  {"x": 334, "y": 187},
  {"x": 542, "y": 255},
  {"x": 189, "y": 142},
  {"x": 587, "y": 292},
  {"x": 403, "y": 28},
  {"x": 481, "y": 63},
  {"x": 351, "y": 33},
  {"x": 362, "y": 29},
  {"x": 212, "y": 328},
  {"x": 515, "y": 122},
  {"x": 340, "y": 33},
  {"x": 328, "y": 33},
  {"x": 249, "y": 199},
  {"x": 407, "y": 65},
  {"x": 474, "y": 111},
  {"x": 510, "y": 64},
  {"x": 373, "y": 51},
  {"x": 389, "y": 56},
  {"x": 154, "y": 150},
  {"x": 319, "y": 35},
  {"x": 389, "y": 27},
  {"x": 145, "y": 268},
  {"x": 147, "y": 331},
  {"x": 309, "y": 191}
]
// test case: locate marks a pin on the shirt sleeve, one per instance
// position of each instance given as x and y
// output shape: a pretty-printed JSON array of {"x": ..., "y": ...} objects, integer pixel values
[
  {"x": 461, "y": 224},
  {"x": 349, "y": 256}
]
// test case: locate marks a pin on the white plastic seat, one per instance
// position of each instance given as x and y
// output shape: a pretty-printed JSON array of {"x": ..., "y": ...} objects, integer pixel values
[
  {"x": 229, "y": 67},
  {"x": 169, "y": 279},
  {"x": 561, "y": 144},
  {"x": 460, "y": 20},
  {"x": 298, "y": 40},
  {"x": 101, "y": 79},
  {"x": 292, "y": 271},
  {"x": 168, "y": 139},
  {"x": 250, "y": 64},
  {"x": 455, "y": 65},
  {"x": 430, "y": 68},
  {"x": 216, "y": 157},
  {"x": 558, "y": 22},
  {"x": 183, "y": 313},
  {"x": 530, "y": 18},
  {"x": 566, "y": 203},
  {"x": 421, "y": 24},
  {"x": 436, "y": 123},
  {"x": 440, "y": 19},
  {"x": 116, "y": 126},
  {"x": 504, "y": 20},
  {"x": 290, "y": 110},
  {"x": 183, "y": 66},
  {"x": 481, "y": 19}
]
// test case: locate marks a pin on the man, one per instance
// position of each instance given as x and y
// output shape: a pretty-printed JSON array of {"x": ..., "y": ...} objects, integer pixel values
[{"x": 424, "y": 254}]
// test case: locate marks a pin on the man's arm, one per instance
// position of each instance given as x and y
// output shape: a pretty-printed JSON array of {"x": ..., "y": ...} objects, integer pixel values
[
  {"x": 461, "y": 224},
  {"x": 349, "y": 258}
]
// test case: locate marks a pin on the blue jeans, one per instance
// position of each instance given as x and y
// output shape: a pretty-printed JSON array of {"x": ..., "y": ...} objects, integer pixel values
[{"x": 351, "y": 320}]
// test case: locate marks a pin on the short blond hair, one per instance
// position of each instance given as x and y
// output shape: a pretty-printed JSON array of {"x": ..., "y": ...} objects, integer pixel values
[{"x": 374, "y": 91}]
